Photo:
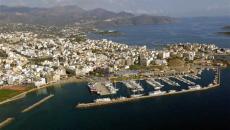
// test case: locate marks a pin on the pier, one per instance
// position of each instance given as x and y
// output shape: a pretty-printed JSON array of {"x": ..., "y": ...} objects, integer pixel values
[
  {"x": 180, "y": 78},
  {"x": 154, "y": 84},
  {"x": 193, "y": 77},
  {"x": 170, "y": 82},
  {"x": 135, "y": 87},
  {"x": 37, "y": 104},
  {"x": 6, "y": 122}
]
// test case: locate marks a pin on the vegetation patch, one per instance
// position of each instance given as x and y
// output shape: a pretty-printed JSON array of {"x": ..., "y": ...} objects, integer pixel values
[
  {"x": 6, "y": 94},
  {"x": 176, "y": 62}
]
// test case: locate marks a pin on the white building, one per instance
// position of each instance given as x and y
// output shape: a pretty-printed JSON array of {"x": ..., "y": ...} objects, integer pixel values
[
  {"x": 41, "y": 82},
  {"x": 190, "y": 55},
  {"x": 164, "y": 55},
  {"x": 160, "y": 62}
]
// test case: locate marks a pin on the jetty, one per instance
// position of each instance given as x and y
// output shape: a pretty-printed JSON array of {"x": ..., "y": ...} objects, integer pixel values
[
  {"x": 170, "y": 82},
  {"x": 180, "y": 78},
  {"x": 37, "y": 104},
  {"x": 6, "y": 122},
  {"x": 195, "y": 77},
  {"x": 154, "y": 84},
  {"x": 135, "y": 87}
]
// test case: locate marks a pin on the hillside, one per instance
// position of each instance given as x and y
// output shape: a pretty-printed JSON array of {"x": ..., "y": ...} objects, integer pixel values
[{"x": 62, "y": 15}]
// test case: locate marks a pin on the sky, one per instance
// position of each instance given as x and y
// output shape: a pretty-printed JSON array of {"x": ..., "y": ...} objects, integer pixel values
[{"x": 174, "y": 8}]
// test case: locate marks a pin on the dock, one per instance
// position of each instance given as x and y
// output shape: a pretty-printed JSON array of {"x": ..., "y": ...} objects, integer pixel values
[
  {"x": 180, "y": 78},
  {"x": 133, "y": 86},
  {"x": 102, "y": 89},
  {"x": 154, "y": 84},
  {"x": 6, "y": 122},
  {"x": 37, "y": 103},
  {"x": 170, "y": 82}
]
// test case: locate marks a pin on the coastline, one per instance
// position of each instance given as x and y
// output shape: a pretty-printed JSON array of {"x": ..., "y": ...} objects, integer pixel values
[{"x": 61, "y": 82}]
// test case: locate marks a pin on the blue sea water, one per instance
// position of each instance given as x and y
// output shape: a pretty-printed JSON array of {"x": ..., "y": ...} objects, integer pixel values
[
  {"x": 201, "y": 30},
  {"x": 190, "y": 111}
]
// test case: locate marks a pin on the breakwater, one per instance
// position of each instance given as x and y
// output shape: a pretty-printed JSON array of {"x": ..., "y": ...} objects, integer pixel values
[
  {"x": 6, "y": 122},
  {"x": 37, "y": 104}
]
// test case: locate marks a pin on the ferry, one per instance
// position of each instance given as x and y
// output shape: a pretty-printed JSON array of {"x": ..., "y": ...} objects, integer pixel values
[
  {"x": 102, "y": 100},
  {"x": 172, "y": 91},
  {"x": 155, "y": 93},
  {"x": 197, "y": 87}
]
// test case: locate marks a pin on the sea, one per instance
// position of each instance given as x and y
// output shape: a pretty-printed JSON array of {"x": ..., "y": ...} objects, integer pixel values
[
  {"x": 203, "y": 110},
  {"x": 184, "y": 30}
]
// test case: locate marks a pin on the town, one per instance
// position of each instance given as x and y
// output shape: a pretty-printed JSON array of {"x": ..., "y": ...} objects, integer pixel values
[{"x": 29, "y": 59}]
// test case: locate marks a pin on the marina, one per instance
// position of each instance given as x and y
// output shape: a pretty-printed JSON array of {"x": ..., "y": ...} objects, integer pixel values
[
  {"x": 122, "y": 100},
  {"x": 134, "y": 86}
]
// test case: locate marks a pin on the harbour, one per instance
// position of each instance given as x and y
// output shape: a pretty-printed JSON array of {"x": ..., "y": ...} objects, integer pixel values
[
  {"x": 135, "y": 87},
  {"x": 125, "y": 103}
]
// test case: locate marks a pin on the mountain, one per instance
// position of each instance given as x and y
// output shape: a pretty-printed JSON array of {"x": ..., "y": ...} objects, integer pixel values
[
  {"x": 136, "y": 20},
  {"x": 62, "y": 15}
]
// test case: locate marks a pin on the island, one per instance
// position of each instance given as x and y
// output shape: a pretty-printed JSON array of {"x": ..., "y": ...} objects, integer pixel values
[
  {"x": 226, "y": 31},
  {"x": 108, "y": 32}
]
